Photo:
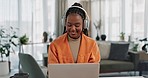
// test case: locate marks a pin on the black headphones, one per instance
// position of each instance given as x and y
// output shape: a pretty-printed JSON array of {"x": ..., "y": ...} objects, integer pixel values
[{"x": 86, "y": 20}]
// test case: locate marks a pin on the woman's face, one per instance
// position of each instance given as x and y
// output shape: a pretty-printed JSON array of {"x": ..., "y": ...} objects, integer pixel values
[{"x": 74, "y": 25}]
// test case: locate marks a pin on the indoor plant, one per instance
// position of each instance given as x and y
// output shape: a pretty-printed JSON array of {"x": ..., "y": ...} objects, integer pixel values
[
  {"x": 98, "y": 28},
  {"x": 135, "y": 47},
  {"x": 6, "y": 41},
  {"x": 122, "y": 36},
  {"x": 51, "y": 35},
  {"x": 23, "y": 40}
]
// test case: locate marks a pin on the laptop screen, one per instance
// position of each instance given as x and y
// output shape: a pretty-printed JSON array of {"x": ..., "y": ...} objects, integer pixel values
[{"x": 74, "y": 70}]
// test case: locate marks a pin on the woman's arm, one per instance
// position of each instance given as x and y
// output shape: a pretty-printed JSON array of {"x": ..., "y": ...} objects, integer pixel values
[
  {"x": 52, "y": 56},
  {"x": 95, "y": 54}
]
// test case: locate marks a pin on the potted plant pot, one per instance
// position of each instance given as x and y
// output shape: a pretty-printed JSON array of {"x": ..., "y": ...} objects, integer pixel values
[
  {"x": 4, "y": 67},
  {"x": 103, "y": 37}
]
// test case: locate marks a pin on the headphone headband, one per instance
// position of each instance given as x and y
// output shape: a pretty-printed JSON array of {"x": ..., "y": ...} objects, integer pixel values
[{"x": 86, "y": 20}]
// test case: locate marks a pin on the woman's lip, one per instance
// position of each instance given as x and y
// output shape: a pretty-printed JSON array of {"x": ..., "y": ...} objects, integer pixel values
[{"x": 73, "y": 33}]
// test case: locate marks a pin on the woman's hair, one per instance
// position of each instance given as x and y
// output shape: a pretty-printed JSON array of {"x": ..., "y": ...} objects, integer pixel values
[{"x": 77, "y": 11}]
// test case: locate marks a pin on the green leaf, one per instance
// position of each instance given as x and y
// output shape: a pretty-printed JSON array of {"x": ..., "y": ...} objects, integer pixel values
[{"x": 24, "y": 39}]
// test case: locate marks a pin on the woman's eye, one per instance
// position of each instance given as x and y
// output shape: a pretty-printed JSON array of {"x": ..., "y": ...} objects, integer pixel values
[
  {"x": 77, "y": 25},
  {"x": 69, "y": 25}
]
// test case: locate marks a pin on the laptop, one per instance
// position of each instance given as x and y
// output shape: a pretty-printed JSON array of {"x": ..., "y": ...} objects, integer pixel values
[{"x": 74, "y": 70}]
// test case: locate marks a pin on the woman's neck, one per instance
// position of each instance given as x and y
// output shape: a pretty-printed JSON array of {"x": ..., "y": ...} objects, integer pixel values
[{"x": 72, "y": 39}]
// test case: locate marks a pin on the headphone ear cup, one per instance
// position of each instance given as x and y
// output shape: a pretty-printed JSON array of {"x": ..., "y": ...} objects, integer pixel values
[
  {"x": 63, "y": 22},
  {"x": 86, "y": 24}
]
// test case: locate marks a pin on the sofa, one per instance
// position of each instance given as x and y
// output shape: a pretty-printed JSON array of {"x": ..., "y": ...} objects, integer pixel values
[{"x": 116, "y": 57}]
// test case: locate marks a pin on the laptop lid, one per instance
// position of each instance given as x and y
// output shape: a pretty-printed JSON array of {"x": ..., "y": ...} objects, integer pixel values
[{"x": 74, "y": 70}]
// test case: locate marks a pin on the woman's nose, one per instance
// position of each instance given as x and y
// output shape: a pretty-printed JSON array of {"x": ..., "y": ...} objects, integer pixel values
[{"x": 73, "y": 27}]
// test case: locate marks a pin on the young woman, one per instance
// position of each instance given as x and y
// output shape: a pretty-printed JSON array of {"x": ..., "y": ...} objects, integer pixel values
[{"x": 74, "y": 46}]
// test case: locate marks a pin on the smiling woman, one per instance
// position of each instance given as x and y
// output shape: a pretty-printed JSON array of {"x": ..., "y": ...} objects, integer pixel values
[
  {"x": 69, "y": 47},
  {"x": 74, "y": 25}
]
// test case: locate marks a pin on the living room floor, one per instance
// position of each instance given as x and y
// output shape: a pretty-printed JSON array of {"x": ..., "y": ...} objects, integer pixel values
[
  {"x": 117, "y": 74},
  {"x": 121, "y": 74}
]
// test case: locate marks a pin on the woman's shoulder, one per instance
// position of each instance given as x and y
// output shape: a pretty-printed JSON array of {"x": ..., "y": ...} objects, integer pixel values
[
  {"x": 60, "y": 39},
  {"x": 88, "y": 39}
]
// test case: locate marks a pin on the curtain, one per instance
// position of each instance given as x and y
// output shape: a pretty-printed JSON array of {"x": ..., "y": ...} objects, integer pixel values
[
  {"x": 61, "y": 6},
  {"x": 9, "y": 22},
  {"x": 30, "y": 17},
  {"x": 118, "y": 16},
  {"x": 96, "y": 15},
  {"x": 87, "y": 6}
]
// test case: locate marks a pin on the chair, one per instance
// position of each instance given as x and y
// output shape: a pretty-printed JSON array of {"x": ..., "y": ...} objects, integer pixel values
[{"x": 30, "y": 66}]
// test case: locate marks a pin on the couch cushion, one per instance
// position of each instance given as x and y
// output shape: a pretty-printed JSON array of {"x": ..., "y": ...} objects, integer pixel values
[
  {"x": 118, "y": 51},
  {"x": 115, "y": 66},
  {"x": 104, "y": 49}
]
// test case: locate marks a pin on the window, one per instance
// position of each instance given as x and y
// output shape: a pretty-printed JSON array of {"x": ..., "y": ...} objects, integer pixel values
[
  {"x": 138, "y": 19},
  {"x": 121, "y": 16},
  {"x": 30, "y": 17}
]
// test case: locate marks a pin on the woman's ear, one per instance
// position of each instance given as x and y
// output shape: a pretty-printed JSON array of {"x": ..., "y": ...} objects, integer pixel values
[
  {"x": 85, "y": 31},
  {"x": 64, "y": 30}
]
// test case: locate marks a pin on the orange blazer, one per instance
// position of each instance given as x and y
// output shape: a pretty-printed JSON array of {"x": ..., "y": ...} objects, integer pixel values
[{"x": 59, "y": 51}]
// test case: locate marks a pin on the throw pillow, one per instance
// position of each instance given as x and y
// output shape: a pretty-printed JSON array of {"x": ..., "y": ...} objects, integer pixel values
[
  {"x": 118, "y": 51},
  {"x": 104, "y": 49}
]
